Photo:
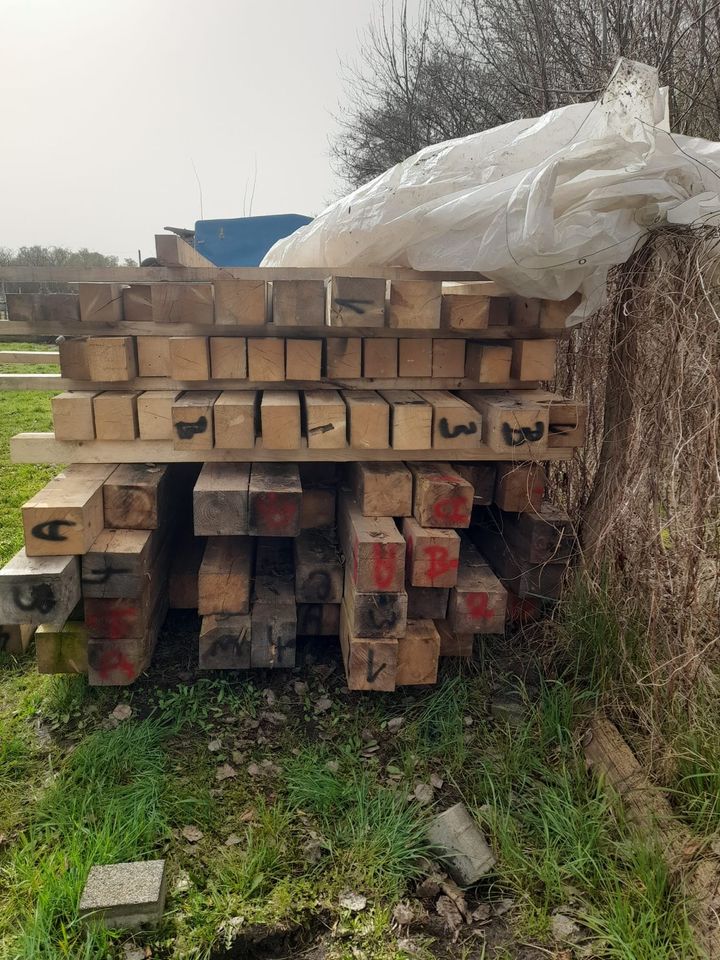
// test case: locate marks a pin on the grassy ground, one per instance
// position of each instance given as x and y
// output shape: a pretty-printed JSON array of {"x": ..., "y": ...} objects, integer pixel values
[{"x": 275, "y": 797}]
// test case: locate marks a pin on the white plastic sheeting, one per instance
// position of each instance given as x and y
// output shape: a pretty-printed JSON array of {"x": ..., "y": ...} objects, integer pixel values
[{"x": 544, "y": 206}]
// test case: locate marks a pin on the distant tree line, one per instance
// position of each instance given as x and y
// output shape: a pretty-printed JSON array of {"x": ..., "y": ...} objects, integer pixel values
[
  {"x": 37, "y": 256},
  {"x": 467, "y": 65}
]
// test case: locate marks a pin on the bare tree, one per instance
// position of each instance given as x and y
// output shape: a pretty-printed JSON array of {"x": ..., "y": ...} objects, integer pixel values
[{"x": 467, "y": 65}]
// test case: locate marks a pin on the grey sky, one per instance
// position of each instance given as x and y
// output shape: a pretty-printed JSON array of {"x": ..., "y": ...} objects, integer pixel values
[{"x": 106, "y": 105}]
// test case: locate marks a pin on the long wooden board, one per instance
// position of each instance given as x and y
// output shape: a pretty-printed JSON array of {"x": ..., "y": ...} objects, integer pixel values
[{"x": 44, "y": 448}]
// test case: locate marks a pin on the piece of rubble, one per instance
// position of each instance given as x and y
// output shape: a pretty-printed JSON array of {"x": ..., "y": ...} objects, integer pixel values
[
  {"x": 125, "y": 895},
  {"x": 460, "y": 844}
]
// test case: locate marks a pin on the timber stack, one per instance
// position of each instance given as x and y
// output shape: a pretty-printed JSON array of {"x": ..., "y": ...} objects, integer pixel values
[{"x": 292, "y": 455}]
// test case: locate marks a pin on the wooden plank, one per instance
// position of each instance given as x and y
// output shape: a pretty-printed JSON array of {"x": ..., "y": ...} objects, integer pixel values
[
  {"x": 376, "y": 614},
  {"x": 44, "y": 448},
  {"x": 356, "y": 302},
  {"x": 481, "y": 476},
  {"x": 37, "y": 590},
  {"x": 325, "y": 419},
  {"x": 318, "y": 619},
  {"x": 137, "y": 303},
  {"x": 303, "y": 360},
  {"x": 115, "y": 415},
  {"x": 73, "y": 417},
  {"x": 318, "y": 507},
  {"x": 183, "y": 303},
  {"x": 427, "y": 603},
  {"x": 225, "y": 575},
  {"x": 154, "y": 412},
  {"x": 525, "y": 311},
  {"x": 533, "y": 359},
  {"x": 266, "y": 359},
  {"x": 171, "y": 249},
  {"x": 454, "y": 644},
  {"x": 343, "y": 358},
  {"x": 566, "y": 417},
  {"x": 273, "y": 613},
  {"x": 374, "y": 549},
  {"x": 111, "y": 358},
  {"x": 62, "y": 649},
  {"x": 118, "y": 563},
  {"x": 189, "y": 358},
  {"x": 478, "y": 602},
  {"x": 240, "y": 303},
  {"x": 511, "y": 422},
  {"x": 15, "y": 638},
  {"x": 418, "y": 653},
  {"x": 410, "y": 420},
  {"x": 415, "y": 358},
  {"x": 414, "y": 304},
  {"x": 274, "y": 500},
  {"x": 432, "y": 555},
  {"x": 153, "y": 356},
  {"x": 519, "y": 486},
  {"x": 101, "y": 302},
  {"x": 280, "y": 419},
  {"x": 235, "y": 414},
  {"x": 74, "y": 358},
  {"x": 380, "y": 358},
  {"x": 192, "y": 416},
  {"x": 318, "y": 568},
  {"x": 369, "y": 664},
  {"x": 220, "y": 500},
  {"x": 29, "y": 356},
  {"x": 473, "y": 312},
  {"x": 488, "y": 363},
  {"x": 135, "y": 496},
  {"x": 298, "y": 303},
  {"x": 224, "y": 642},
  {"x": 382, "y": 489},
  {"x": 50, "y": 308},
  {"x": 66, "y": 516},
  {"x": 448, "y": 358},
  {"x": 455, "y": 424},
  {"x": 368, "y": 420},
  {"x": 228, "y": 358},
  {"x": 441, "y": 498},
  {"x": 554, "y": 313}
]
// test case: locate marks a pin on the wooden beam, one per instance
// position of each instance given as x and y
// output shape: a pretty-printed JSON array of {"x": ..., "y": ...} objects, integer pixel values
[
  {"x": 44, "y": 448},
  {"x": 29, "y": 356}
]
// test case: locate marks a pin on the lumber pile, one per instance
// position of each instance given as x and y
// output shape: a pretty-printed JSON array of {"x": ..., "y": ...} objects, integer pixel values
[{"x": 353, "y": 459}]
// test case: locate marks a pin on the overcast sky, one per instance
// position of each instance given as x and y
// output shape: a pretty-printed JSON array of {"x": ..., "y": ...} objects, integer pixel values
[{"x": 107, "y": 105}]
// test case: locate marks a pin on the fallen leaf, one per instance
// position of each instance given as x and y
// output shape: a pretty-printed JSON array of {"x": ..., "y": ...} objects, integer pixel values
[
  {"x": 300, "y": 688},
  {"x": 424, "y": 793},
  {"x": 452, "y": 890},
  {"x": 481, "y": 912},
  {"x": 237, "y": 756},
  {"x": 563, "y": 927},
  {"x": 395, "y": 723},
  {"x": 123, "y": 711},
  {"x": 450, "y": 913},
  {"x": 436, "y": 781},
  {"x": 323, "y": 704},
  {"x": 353, "y": 901},
  {"x": 233, "y": 840},
  {"x": 501, "y": 907},
  {"x": 132, "y": 952},
  {"x": 428, "y": 889},
  {"x": 403, "y": 914},
  {"x": 225, "y": 772},
  {"x": 406, "y": 945},
  {"x": 269, "y": 696},
  {"x": 192, "y": 834},
  {"x": 214, "y": 746},
  {"x": 247, "y": 815},
  {"x": 254, "y": 770}
]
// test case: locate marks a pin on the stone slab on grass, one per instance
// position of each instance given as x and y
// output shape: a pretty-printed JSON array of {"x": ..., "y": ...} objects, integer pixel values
[{"x": 125, "y": 895}]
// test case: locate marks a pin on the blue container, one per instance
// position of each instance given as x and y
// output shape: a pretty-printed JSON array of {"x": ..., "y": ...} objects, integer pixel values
[{"x": 243, "y": 241}]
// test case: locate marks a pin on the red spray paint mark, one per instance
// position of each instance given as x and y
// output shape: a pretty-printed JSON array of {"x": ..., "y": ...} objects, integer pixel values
[
  {"x": 113, "y": 623},
  {"x": 440, "y": 562},
  {"x": 112, "y": 661},
  {"x": 276, "y": 511},
  {"x": 476, "y": 605},
  {"x": 452, "y": 511},
  {"x": 384, "y": 565}
]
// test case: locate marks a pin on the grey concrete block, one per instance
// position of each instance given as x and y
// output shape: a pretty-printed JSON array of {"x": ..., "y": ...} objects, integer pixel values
[
  {"x": 460, "y": 844},
  {"x": 125, "y": 895}
]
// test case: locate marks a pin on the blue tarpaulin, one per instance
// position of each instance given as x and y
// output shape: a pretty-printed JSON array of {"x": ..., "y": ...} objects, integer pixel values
[{"x": 243, "y": 241}]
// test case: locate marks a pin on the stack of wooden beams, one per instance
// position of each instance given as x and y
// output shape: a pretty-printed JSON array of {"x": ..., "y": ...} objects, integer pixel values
[{"x": 372, "y": 473}]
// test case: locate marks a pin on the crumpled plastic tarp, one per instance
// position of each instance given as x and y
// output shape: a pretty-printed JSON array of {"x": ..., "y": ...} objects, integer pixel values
[{"x": 542, "y": 206}]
